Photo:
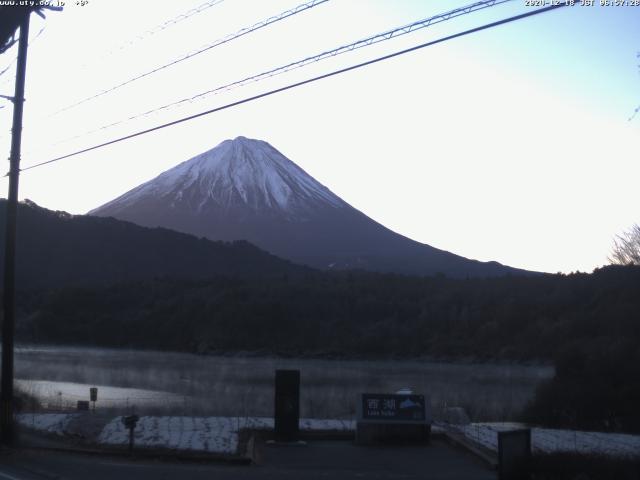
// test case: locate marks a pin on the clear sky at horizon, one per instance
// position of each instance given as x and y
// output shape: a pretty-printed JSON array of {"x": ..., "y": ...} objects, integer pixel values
[{"x": 511, "y": 144}]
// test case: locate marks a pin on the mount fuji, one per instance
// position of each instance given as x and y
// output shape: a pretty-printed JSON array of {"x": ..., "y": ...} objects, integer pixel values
[{"x": 245, "y": 189}]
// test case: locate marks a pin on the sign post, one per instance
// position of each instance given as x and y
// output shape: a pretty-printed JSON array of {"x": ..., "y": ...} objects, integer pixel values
[
  {"x": 130, "y": 422},
  {"x": 93, "y": 396}
]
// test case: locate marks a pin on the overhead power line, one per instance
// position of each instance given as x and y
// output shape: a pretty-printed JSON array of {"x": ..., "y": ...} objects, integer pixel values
[
  {"x": 173, "y": 21},
  {"x": 163, "y": 26},
  {"x": 216, "y": 43},
  {"x": 365, "y": 42},
  {"x": 303, "y": 82}
]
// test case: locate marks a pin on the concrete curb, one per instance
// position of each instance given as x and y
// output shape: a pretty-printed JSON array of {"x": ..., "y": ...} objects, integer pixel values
[
  {"x": 460, "y": 441},
  {"x": 327, "y": 435},
  {"x": 34, "y": 440},
  {"x": 155, "y": 453},
  {"x": 246, "y": 456}
]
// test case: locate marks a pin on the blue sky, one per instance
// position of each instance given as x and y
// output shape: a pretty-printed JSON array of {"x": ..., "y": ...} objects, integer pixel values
[{"x": 511, "y": 144}]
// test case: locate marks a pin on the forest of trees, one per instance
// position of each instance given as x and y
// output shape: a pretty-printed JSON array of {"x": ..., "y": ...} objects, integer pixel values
[{"x": 350, "y": 314}]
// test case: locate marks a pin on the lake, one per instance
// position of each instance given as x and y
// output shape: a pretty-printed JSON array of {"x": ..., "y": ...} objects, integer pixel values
[{"x": 180, "y": 383}]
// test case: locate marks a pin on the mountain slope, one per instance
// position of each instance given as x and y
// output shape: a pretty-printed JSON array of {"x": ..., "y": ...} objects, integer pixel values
[
  {"x": 246, "y": 189},
  {"x": 58, "y": 249}
]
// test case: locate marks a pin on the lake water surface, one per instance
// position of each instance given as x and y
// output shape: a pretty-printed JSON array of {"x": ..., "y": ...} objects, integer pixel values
[{"x": 180, "y": 383}]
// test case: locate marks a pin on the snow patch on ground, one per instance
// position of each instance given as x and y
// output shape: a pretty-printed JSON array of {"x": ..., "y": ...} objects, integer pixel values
[
  {"x": 324, "y": 425},
  {"x": 221, "y": 434},
  {"x": 210, "y": 434},
  {"x": 204, "y": 434},
  {"x": 56, "y": 423},
  {"x": 550, "y": 440}
]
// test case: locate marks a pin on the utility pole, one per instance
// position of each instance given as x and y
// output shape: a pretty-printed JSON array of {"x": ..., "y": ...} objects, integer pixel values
[{"x": 8, "y": 323}]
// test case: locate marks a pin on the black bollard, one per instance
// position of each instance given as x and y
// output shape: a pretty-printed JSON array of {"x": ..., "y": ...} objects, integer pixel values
[
  {"x": 287, "y": 405},
  {"x": 514, "y": 454}
]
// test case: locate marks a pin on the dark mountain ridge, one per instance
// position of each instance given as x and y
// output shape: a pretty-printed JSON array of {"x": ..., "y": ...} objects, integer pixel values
[{"x": 58, "y": 249}]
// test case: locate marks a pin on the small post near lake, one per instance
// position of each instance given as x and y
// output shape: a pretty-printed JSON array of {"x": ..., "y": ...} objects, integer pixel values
[
  {"x": 93, "y": 396},
  {"x": 130, "y": 422}
]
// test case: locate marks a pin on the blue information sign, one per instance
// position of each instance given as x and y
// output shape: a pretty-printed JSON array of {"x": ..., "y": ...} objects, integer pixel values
[{"x": 393, "y": 407}]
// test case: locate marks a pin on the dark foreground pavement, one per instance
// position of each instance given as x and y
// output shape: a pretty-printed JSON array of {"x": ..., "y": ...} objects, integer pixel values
[{"x": 315, "y": 460}]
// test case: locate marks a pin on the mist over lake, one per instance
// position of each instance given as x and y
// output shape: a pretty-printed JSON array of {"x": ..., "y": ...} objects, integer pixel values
[{"x": 179, "y": 383}]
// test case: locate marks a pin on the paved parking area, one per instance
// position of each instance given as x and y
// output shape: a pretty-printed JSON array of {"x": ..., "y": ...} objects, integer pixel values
[
  {"x": 344, "y": 460},
  {"x": 335, "y": 460}
]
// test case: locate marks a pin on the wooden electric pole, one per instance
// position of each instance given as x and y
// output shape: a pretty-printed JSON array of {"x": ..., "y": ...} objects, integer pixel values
[{"x": 8, "y": 323}]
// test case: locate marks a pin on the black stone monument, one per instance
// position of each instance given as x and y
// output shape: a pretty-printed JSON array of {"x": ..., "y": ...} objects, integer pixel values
[
  {"x": 514, "y": 454},
  {"x": 287, "y": 404}
]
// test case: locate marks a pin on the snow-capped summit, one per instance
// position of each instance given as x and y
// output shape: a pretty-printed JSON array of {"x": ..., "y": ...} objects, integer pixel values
[
  {"x": 245, "y": 189},
  {"x": 238, "y": 172}
]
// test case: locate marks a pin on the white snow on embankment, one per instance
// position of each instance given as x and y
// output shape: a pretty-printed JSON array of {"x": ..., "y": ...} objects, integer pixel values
[
  {"x": 220, "y": 434},
  {"x": 46, "y": 422},
  {"x": 547, "y": 440},
  {"x": 204, "y": 434},
  {"x": 210, "y": 434}
]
